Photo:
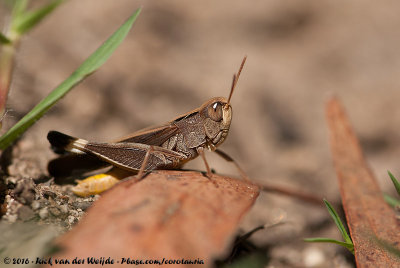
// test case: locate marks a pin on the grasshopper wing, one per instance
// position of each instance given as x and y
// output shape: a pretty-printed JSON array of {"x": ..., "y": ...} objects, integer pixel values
[
  {"x": 71, "y": 164},
  {"x": 126, "y": 155}
]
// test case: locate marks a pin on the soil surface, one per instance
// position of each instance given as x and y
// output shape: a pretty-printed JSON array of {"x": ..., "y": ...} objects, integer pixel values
[{"x": 182, "y": 53}]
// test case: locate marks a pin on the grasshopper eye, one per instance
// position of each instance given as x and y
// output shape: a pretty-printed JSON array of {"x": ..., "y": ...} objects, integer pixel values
[{"x": 215, "y": 111}]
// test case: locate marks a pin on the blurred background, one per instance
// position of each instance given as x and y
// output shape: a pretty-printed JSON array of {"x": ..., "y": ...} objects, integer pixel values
[{"x": 181, "y": 53}]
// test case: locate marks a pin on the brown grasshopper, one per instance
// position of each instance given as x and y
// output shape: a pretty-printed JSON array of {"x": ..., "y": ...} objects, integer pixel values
[{"x": 163, "y": 147}]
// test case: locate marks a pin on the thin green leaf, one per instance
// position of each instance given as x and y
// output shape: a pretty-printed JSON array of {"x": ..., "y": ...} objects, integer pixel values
[
  {"x": 19, "y": 7},
  {"x": 395, "y": 182},
  {"x": 29, "y": 19},
  {"x": 88, "y": 66},
  {"x": 393, "y": 202},
  {"x": 338, "y": 222},
  {"x": 4, "y": 39},
  {"x": 349, "y": 246}
]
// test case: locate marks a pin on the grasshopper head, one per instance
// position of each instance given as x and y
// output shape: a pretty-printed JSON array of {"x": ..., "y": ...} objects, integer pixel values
[{"x": 218, "y": 115}]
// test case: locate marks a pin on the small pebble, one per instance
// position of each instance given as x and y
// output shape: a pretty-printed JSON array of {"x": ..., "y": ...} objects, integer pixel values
[
  {"x": 64, "y": 209},
  {"x": 48, "y": 194},
  {"x": 71, "y": 219},
  {"x": 35, "y": 205},
  {"x": 54, "y": 211},
  {"x": 83, "y": 205},
  {"x": 43, "y": 213},
  {"x": 11, "y": 180},
  {"x": 74, "y": 213},
  {"x": 25, "y": 213}
]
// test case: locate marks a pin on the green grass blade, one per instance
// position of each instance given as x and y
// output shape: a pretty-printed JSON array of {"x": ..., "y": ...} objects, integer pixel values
[
  {"x": 338, "y": 222},
  {"x": 395, "y": 182},
  {"x": 347, "y": 245},
  {"x": 29, "y": 19},
  {"x": 4, "y": 39},
  {"x": 19, "y": 7},
  {"x": 393, "y": 202},
  {"x": 88, "y": 66}
]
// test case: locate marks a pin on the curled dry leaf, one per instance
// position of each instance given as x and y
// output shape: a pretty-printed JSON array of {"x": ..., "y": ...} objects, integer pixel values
[
  {"x": 168, "y": 214},
  {"x": 368, "y": 216}
]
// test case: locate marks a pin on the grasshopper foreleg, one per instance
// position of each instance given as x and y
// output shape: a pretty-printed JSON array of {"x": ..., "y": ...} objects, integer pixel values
[{"x": 200, "y": 151}]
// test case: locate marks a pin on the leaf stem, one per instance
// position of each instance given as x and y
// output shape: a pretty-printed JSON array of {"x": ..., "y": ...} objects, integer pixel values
[{"x": 7, "y": 59}]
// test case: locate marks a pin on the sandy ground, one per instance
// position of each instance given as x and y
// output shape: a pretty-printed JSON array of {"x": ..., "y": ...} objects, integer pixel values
[{"x": 181, "y": 53}]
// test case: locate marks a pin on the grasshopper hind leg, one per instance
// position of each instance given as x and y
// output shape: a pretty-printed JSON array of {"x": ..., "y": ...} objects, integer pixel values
[{"x": 144, "y": 163}]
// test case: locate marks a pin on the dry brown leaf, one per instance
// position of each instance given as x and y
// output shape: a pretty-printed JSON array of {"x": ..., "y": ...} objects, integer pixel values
[
  {"x": 368, "y": 216},
  {"x": 168, "y": 214}
]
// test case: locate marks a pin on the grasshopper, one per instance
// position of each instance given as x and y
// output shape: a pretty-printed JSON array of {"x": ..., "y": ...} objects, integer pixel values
[{"x": 168, "y": 146}]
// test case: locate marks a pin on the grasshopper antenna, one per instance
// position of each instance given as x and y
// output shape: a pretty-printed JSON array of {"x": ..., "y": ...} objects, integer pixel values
[{"x": 236, "y": 78}]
